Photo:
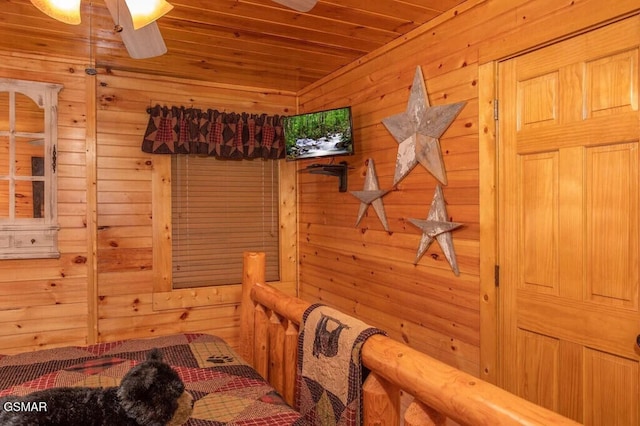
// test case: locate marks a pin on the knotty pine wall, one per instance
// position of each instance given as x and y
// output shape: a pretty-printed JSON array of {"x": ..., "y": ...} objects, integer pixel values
[
  {"x": 102, "y": 288},
  {"x": 125, "y": 272},
  {"x": 43, "y": 302},
  {"x": 370, "y": 272}
]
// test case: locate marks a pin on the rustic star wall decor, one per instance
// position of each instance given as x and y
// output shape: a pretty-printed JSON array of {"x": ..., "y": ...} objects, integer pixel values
[
  {"x": 417, "y": 131},
  {"x": 438, "y": 227},
  {"x": 371, "y": 195}
]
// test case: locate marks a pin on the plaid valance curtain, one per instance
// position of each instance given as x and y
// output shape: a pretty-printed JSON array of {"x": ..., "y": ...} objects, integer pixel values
[{"x": 180, "y": 130}]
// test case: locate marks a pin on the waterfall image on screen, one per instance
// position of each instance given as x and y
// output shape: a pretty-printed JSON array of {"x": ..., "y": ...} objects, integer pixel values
[{"x": 319, "y": 134}]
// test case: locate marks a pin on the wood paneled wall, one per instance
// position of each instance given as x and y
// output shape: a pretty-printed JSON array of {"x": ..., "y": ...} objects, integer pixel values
[
  {"x": 370, "y": 272},
  {"x": 125, "y": 273},
  {"x": 102, "y": 287},
  {"x": 44, "y": 302}
]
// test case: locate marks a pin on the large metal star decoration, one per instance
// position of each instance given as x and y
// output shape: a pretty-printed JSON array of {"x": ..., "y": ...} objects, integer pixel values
[
  {"x": 438, "y": 227},
  {"x": 371, "y": 194},
  {"x": 417, "y": 131}
]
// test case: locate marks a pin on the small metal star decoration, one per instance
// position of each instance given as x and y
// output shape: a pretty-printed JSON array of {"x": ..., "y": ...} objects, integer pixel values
[
  {"x": 371, "y": 195},
  {"x": 417, "y": 131},
  {"x": 438, "y": 227}
]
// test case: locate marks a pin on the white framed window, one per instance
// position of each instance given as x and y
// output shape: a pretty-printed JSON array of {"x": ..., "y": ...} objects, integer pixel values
[{"x": 28, "y": 150}]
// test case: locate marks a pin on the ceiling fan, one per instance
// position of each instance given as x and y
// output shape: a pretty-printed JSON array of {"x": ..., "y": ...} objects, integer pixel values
[
  {"x": 141, "y": 43},
  {"x": 142, "y": 39},
  {"x": 299, "y": 5}
]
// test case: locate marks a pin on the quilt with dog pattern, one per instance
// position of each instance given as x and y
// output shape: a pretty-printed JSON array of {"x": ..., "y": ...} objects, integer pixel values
[{"x": 226, "y": 390}]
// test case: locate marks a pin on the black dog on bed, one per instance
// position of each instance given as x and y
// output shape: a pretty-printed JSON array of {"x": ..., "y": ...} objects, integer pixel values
[{"x": 150, "y": 394}]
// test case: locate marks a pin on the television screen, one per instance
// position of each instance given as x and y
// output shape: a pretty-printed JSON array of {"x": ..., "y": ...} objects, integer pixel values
[{"x": 319, "y": 134}]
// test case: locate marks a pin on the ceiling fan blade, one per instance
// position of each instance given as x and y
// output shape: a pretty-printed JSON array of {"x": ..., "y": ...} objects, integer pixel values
[
  {"x": 143, "y": 43},
  {"x": 299, "y": 5}
]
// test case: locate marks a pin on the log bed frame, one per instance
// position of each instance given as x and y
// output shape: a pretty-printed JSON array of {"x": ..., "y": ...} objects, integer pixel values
[{"x": 268, "y": 341}]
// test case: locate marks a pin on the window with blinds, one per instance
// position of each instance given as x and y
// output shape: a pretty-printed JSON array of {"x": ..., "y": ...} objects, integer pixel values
[{"x": 221, "y": 208}]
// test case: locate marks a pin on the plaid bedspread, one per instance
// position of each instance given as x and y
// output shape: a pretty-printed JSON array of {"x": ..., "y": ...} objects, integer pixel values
[{"x": 226, "y": 390}]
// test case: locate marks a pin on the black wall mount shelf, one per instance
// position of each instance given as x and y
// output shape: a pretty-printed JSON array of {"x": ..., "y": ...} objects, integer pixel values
[{"x": 339, "y": 170}]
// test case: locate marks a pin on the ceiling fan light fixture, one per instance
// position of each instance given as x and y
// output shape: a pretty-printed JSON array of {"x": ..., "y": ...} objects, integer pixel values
[
  {"x": 67, "y": 11},
  {"x": 144, "y": 12}
]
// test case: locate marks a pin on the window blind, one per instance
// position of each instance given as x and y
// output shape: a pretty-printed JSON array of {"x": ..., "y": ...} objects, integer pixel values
[{"x": 221, "y": 208}]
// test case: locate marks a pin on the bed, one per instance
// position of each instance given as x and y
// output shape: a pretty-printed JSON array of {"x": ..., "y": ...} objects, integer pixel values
[
  {"x": 260, "y": 384},
  {"x": 225, "y": 389}
]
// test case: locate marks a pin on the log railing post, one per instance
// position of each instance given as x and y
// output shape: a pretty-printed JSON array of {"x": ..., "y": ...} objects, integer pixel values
[
  {"x": 381, "y": 402},
  {"x": 253, "y": 267},
  {"x": 290, "y": 362},
  {"x": 261, "y": 342},
  {"x": 276, "y": 352}
]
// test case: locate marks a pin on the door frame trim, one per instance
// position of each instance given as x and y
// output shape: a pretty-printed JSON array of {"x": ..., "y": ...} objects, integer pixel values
[{"x": 487, "y": 125}]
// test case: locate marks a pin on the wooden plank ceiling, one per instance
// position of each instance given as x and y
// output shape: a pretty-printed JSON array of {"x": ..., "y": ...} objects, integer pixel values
[{"x": 255, "y": 43}]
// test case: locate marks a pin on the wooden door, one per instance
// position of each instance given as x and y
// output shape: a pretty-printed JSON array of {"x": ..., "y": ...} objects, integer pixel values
[{"x": 568, "y": 225}]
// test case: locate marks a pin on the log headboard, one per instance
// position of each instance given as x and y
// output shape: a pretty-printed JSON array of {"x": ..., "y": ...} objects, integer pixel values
[{"x": 270, "y": 322}]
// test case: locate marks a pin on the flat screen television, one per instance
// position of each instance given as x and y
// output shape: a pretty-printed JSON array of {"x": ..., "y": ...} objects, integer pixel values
[{"x": 319, "y": 134}]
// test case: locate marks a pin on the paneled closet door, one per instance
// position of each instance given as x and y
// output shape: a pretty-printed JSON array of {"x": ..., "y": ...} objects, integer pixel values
[{"x": 569, "y": 227}]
